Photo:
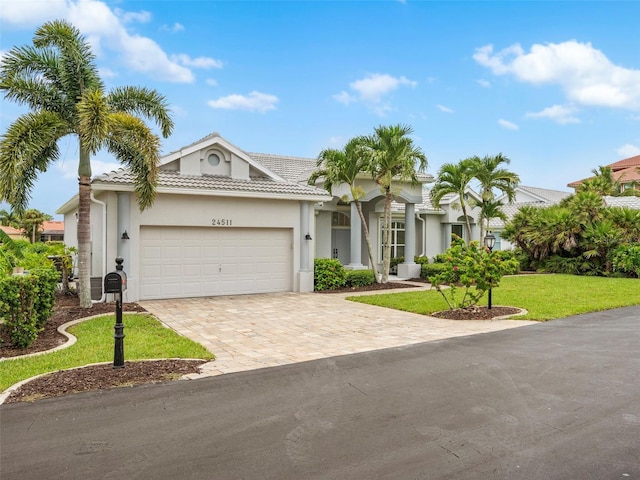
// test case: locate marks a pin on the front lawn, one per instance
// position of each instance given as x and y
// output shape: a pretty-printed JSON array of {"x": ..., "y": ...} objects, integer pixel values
[
  {"x": 545, "y": 297},
  {"x": 145, "y": 338}
]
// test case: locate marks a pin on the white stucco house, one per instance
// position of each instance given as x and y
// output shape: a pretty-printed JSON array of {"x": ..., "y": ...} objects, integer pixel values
[{"x": 228, "y": 222}]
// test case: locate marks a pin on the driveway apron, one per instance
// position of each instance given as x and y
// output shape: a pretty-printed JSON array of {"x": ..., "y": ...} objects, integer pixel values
[{"x": 248, "y": 332}]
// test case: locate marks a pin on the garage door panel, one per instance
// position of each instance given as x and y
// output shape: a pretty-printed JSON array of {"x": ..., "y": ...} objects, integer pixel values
[{"x": 188, "y": 262}]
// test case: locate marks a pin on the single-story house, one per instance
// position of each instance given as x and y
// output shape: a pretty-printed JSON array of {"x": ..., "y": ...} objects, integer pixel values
[
  {"x": 626, "y": 172},
  {"x": 227, "y": 222},
  {"x": 51, "y": 231},
  {"x": 12, "y": 233}
]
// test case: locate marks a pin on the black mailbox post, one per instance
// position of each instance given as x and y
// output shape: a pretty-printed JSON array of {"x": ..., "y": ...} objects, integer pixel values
[{"x": 116, "y": 283}]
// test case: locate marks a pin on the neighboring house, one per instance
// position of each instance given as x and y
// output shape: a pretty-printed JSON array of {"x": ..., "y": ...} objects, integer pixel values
[
  {"x": 12, "y": 233},
  {"x": 626, "y": 172},
  {"x": 223, "y": 223},
  {"x": 530, "y": 196},
  {"x": 52, "y": 231}
]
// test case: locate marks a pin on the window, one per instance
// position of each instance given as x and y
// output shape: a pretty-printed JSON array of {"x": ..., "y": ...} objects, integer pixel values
[
  {"x": 214, "y": 159},
  {"x": 457, "y": 230},
  {"x": 396, "y": 239},
  {"x": 339, "y": 219}
]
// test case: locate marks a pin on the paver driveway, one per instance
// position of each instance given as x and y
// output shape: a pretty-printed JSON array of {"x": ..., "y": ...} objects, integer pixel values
[{"x": 246, "y": 332}]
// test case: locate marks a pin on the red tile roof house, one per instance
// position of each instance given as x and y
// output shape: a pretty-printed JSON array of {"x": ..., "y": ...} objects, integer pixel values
[
  {"x": 52, "y": 231},
  {"x": 626, "y": 171},
  {"x": 13, "y": 233}
]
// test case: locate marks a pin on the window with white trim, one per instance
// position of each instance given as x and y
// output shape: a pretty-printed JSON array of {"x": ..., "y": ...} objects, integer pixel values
[{"x": 396, "y": 239}]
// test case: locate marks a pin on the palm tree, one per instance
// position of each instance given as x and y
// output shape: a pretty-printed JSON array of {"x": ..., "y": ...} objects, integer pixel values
[
  {"x": 9, "y": 219},
  {"x": 491, "y": 209},
  {"x": 492, "y": 177},
  {"x": 391, "y": 154},
  {"x": 454, "y": 178},
  {"x": 32, "y": 220},
  {"x": 601, "y": 183},
  {"x": 344, "y": 166},
  {"x": 58, "y": 80}
]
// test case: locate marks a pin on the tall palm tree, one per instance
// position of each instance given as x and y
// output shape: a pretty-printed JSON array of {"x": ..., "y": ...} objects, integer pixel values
[
  {"x": 391, "y": 154},
  {"x": 58, "y": 80},
  {"x": 491, "y": 176},
  {"x": 454, "y": 178},
  {"x": 343, "y": 166}
]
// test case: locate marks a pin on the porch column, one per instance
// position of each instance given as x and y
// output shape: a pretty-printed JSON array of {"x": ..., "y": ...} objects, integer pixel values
[
  {"x": 305, "y": 274},
  {"x": 355, "y": 260},
  {"x": 409, "y": 268}
]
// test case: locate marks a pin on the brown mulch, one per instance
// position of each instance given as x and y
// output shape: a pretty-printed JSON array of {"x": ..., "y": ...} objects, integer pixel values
[
  {"x": 369, "y": 288},
  {"x": 95, "y": 377},
  {"x": 476, "y": 313}
]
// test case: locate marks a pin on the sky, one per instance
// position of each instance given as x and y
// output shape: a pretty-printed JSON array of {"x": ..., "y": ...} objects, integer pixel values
[{"x": 552, "y": 85}]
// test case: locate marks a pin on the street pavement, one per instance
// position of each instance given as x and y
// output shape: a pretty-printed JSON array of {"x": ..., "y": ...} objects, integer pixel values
[{"x": 556, "y": 400}]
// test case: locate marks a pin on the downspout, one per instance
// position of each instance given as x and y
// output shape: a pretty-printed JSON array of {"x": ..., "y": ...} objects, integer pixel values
[
  {"x": 424, "y": 234},
  {"x": 104, "y": 244}
]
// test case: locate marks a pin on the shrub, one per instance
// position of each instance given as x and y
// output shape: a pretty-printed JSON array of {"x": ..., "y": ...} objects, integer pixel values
[
  {"x": 626, "y": 259},
  {"x": 328, "y": 274},
  {"x": 429, "y": 270},
  {"x": 359, "y": 278},
  {"x": 469, "y": 268},
  {"x": 26, "y": 302}
]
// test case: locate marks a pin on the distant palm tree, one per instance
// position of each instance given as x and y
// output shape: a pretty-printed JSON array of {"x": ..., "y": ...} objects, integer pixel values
[
  {"x": 32, "y": 220},
  {"x": 454, "y": 178},
  {"x": 343, "y": 167},
  {"x": 9, "y": 219},
  {"x": 491, "y": 176},
  {"x": 601, "y": 183},
  {"x": 391, "y": 154},
  {"x": 58, "y": 80}
]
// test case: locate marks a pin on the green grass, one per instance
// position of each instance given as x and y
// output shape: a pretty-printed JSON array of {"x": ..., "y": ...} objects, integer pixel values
[
  {"x": 545, "y": 297},
  {"x": 145, "y": 338}
]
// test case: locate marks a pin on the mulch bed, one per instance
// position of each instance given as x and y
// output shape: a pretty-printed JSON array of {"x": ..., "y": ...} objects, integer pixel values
[
  {"x": 369, "y": 288},
  {"x": 478, "y": 313},
  {"x": 95, "y": 377}
]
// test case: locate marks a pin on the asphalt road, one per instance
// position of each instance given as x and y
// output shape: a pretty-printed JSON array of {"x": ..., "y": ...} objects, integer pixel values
[{"x": 559, "y": 400}]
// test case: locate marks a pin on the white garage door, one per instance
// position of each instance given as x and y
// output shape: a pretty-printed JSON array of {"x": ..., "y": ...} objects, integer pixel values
[{"x": 197, "y": 262}]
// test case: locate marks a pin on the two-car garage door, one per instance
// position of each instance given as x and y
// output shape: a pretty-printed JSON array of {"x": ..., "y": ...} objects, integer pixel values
[{"x": 196, "y": 262}]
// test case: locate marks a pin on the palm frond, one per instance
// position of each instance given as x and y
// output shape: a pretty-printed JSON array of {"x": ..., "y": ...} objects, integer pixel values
[{"x": 143, "y": 101}]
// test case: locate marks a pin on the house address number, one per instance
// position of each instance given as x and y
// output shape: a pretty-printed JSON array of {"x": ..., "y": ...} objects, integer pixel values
[{"x": 221, "y": 222}]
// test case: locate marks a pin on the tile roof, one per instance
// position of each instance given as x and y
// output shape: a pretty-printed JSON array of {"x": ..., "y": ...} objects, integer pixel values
[
  {"x": 627, "y": 162},
  {"x": 624, "y": 171},
  {"x": 295, "y": 169},
  {"x": 628, "y": 202},
  {"x": 552, "y": 196},
  {"x": 175, "y": 180},
  {"x": 52, "y": 226},
  {"x": 10, "y": 230}
]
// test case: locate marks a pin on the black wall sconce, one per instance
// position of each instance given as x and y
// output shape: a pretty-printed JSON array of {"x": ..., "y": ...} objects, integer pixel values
[
  {"x": 125, "y": 236},
  {"x": 308, "y": 237}
]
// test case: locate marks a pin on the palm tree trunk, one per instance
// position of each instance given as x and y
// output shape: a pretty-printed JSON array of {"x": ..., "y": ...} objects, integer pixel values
[
  {"x": 466, "y": 220},
  {"x": 84, "y": 228},
  {"x": 84, "y": 241},
  {"x": 368, "y": 239},
  {"x": 386, "y": 252}
]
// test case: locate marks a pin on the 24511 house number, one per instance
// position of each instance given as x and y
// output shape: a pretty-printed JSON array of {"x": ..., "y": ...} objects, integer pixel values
[{"x": 221, "y": 222}]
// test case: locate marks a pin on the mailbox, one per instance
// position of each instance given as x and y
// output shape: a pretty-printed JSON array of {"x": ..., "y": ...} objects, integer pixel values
[{"x": 116, "y": 282}]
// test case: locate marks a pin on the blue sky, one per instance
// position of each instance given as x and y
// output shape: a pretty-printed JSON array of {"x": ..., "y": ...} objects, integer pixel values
[{"x": 555, "y": 86}]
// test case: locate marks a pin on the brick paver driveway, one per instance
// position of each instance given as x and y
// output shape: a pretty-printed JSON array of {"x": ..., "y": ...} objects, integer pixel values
[{"x": 247, "y": 332}]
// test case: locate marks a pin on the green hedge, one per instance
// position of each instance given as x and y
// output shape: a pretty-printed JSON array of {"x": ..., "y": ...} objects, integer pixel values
[
  {"x": 26, "y": 302},
  {"x": 429, "y": 270},
  {"x": 328, "y": 274},
  {"x": 359, "y": 278}
]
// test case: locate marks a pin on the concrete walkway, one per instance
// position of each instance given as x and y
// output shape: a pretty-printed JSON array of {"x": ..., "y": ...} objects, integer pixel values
[{"x": 247, "y": 332}]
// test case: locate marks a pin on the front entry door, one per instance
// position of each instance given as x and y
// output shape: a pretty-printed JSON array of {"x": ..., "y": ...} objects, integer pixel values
[{"x": 341, "y": 245}]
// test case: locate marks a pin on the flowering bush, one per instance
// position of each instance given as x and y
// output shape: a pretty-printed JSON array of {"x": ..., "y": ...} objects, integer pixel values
[{"x": 470, "y": 270}]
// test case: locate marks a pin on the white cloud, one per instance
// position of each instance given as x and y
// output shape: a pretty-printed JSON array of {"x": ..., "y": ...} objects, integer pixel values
[
  {"x": 175, "y": 28},
  {"x": 372, "y": 89},
  {"x": 375, "y": 86},
  {"x": 628, "y": 150},
  {"x": 69, "y": 168},
  {"x": 558, "y": 113},
  {"x": 444, "y": 109},
  {"x": 103, "y": 27},
  {"x": 483, "y": 83},
  {"x": 585, "y": 74},
  {"x": 344, "y": 97},
  {"x": 127, "y": 17},
  {"x": 107, "y": 72},
  {"x": 211, "y": 82},
  {"x": 254, "y": 102},
  {"x": 508, "y": 125},
  {"x": 198, "y": 62}
]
